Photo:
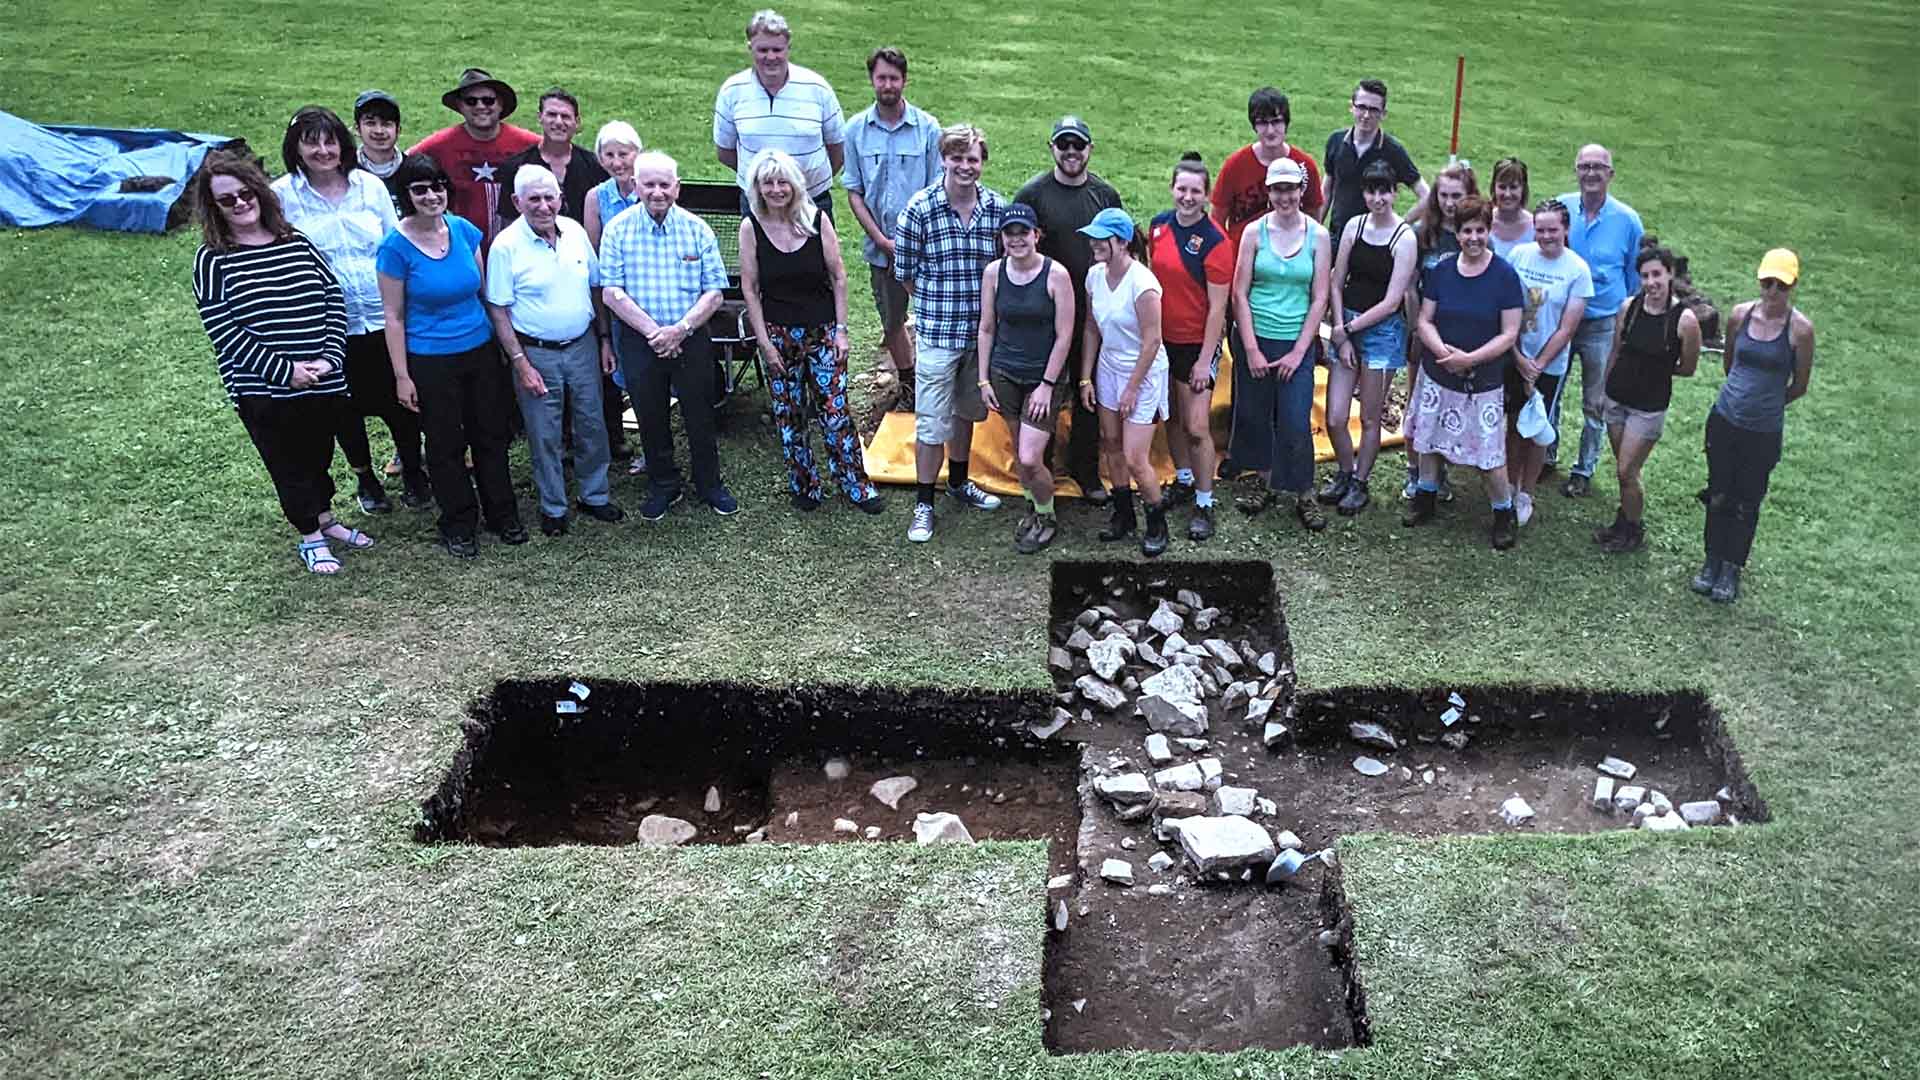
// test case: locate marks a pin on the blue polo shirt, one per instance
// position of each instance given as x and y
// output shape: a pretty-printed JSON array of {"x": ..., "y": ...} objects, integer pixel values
[{"x": 1611, "y": 247}]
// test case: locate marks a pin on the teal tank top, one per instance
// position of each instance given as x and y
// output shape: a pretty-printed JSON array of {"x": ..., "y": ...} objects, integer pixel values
[{"x": 1282, "y": 289}]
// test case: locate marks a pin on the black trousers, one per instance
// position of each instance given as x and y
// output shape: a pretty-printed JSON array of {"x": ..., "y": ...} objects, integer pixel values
[
  {"x": 370, "y": 384},
  {"x": 1739, "y": 464},
  {"x": 465, "y": 400},
  {"x": 651, "y": 381},
  {"x": 295, "y": 440}
]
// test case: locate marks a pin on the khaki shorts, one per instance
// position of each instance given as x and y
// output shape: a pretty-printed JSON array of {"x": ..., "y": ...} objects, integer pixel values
[
  {"x": 1012, "y": 394},
  {"x": 946, "y": 386},
  {"x": 1642, "y": 425},
  {"x": 889, "y": 299}
]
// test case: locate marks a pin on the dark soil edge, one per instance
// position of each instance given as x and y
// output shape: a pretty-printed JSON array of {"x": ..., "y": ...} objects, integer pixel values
[{"x": 1337, "y": 915}]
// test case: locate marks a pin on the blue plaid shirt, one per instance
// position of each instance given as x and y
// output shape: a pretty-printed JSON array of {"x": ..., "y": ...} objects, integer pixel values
[
  {"x": 665, "y": 266},
  {"x": 944, "y": 257}
]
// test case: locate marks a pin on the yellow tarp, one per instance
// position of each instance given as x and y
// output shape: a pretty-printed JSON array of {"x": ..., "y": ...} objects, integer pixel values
[{"x": 890, "y": 455}]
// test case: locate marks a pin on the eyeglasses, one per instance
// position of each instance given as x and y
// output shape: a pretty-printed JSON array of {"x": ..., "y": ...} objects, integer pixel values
[
  {"x": 480, "y": 99},
  {"x": 1768, "y": 284},
  {"x": 426, "y": 187},
  {"x": 1369, "y": 110},
  {"x": 1593, "y": 167},
  {"x": 235, "y": 198},
  {"x": 1071, "y": 145}
]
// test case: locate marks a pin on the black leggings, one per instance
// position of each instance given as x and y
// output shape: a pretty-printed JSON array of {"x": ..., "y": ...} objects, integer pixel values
[
  {"x": 295, "y": 439},
  {"x": 370, "y": 384},
  {"x": 1739, "y": 463}
]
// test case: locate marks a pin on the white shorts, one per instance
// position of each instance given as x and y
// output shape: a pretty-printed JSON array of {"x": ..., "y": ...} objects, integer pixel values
[{"x": 1110, "y": 381}]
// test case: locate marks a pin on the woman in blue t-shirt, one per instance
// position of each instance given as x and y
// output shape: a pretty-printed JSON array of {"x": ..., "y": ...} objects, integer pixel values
[
  {"x": 1469, "y": 320},
  {"x": 445, "y": 364}
]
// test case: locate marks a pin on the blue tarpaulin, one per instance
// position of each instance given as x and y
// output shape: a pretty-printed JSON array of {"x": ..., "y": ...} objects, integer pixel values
[{"x": 56, "y": 175}]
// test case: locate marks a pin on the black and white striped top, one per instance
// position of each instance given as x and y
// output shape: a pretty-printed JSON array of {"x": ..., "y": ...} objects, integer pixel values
[{"x": 266, "y": 307}]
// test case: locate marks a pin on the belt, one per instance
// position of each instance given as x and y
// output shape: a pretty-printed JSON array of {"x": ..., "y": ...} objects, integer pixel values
[{"x": 543, "y": 343}]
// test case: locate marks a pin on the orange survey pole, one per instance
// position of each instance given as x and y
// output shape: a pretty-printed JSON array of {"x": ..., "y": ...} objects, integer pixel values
[{"x": 1459, "y": 87}]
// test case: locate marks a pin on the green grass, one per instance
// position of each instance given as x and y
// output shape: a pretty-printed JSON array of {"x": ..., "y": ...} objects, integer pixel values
[{"x": 181, "y": 711}]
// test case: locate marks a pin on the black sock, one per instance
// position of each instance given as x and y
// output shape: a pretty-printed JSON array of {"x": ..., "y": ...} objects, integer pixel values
[
  {"x": 956, "y": 474},
  {"x": 924, "y": 496}
]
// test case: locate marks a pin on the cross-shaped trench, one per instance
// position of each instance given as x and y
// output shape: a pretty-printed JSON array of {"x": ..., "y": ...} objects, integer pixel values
[{"x": 1181, "y": 959}]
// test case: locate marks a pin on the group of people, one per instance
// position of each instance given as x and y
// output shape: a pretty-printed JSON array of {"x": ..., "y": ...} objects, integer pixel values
[{"x": 490, "y": 262}]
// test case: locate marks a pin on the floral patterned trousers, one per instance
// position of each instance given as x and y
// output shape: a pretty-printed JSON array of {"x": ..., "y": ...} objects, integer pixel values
[{"x": 813, "y": 378}]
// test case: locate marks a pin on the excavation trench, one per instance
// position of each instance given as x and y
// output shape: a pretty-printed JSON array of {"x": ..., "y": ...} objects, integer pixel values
[{"x": 1177, "y": 961}]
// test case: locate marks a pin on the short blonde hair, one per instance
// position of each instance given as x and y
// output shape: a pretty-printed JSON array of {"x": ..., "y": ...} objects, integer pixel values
[
  {"x": 617, "y": 131},
  {"x": 956, "y": 139},
  {"x": 768, "y": 21},
  {"x": 801, "y": 213}
]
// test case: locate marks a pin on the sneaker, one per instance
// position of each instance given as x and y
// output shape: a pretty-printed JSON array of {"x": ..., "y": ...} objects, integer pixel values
[
  {"x": 722, "y": 501},
  {"x": 1334, "y": 489},
  {"x": 418, "y": 492},
  {"x": 1505, "y": 532},
  {"x": 553, "y": 526},
  {"x": 1022, "y": 527},
  {"x": 1629, "y": 538},
  {"x": 606, "y": 512},
  {"x": 372, "y": 494},
  {"x": 872, "y": 504},
  {"x": 1200, "y": 525},
  {"x": 921, "y": 530},
  {"x": 1726, "y": 584},
  {"x": 1522, "y": 508},
  {"x": 1413, "y": 485},
  {"x": 1703, "y": 581},
  {"x": 1307, "y": 509},
  {"x": 1356, "y": 499},
  {"x": 971, "y": 494},
  {"x": 1577, "y": 486},
  {"x": 805, "y": 503},
  {"x": 460, "y": 547},
  {"x": 658, "y": 503},
  {"x": 1041, "y": 533},
  {"x": 513, "y": 532}
]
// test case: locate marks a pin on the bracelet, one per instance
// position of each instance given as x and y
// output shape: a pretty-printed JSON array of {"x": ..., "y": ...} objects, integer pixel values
[
  {"x": 983, "y": 384},
  {"x": 1047, "y": 382},
  {"x": 1086, "y": 382},
  {"x": 838, "y": 328}
]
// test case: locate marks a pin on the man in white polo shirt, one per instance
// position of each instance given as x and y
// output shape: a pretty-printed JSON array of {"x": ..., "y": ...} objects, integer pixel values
[
  {"x": 779, "y": 105},
  {"x": 540, "y": 296}
]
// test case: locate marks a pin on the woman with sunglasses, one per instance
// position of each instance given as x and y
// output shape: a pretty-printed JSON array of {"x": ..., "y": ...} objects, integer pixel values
[
  {"x": 445, "y": 365},
  {"x": 277, "y": 320},
  {"x": 346, "y": 212},
  {"x": 1280, "y": 287},
  {"x": 1768, "y": 364}
]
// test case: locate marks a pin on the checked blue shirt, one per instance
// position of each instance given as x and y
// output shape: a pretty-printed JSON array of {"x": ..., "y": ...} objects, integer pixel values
[
  {"x": 664, "y": 266},
  {"x": 944, "y": 257}
]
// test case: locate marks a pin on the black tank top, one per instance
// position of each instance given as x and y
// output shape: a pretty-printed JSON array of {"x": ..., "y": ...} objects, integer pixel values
[
  {"x": 794, "y": 287},
  {"x": 1022, "y": 325},
  {"x": 1369, "y": 268},
  {"x": 1642, "y": 375}
]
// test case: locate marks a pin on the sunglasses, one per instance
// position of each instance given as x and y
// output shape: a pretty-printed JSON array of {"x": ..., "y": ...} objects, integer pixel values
[
  {"x": 1768, "y": 284},
  {"x": 480, "y": 99},
  {"x": 1071, "y": 144},
  {"x": 235, "y": 198},
  {"x": 426, "y": 187}
]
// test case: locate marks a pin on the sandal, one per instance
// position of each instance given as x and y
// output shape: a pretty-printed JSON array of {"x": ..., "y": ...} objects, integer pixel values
[
  {"x": 318, "y": 557},
  {"x": 353, "y": 538}
]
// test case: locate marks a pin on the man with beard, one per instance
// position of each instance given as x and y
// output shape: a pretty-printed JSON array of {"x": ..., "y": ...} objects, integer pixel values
[
  {"x": 892, "y": 153},
  {"x": 474, "y": 152},
  {"x": 576, "y": 168},
  {"x": 1065, "y": 198}
]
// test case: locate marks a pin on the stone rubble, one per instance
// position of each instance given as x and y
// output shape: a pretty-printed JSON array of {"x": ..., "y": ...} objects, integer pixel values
[
  {"x": 659, "y": 830},
  {"x": 844, "y": 825},
  {"x": 1117, "y": 871},
  {"x": 1516, "y": 812},
  {"x": 712, "y": 805},
  {"x": 1127, "y": 789},
  {"x": 1367, "y": 766},
  {"x": 940, "y": 828},
  {"x": 1158, "y": 750},
  {"x": 1704, "y": 812},
  {"x": 891, "y": 790},
  {"x": 1367, "y": 733},
  {"x": 1603, "y": 794},
  {"x": 1109, "y": 655},
  {"x": 1235, "y": 801},
  {"x": 1159, "y": 861},
  {"x": 838, "y": 769},
  {"x": 1098, "y": 691},
  {"x": 1060, "y": 719},
  {"x": 1213, "y": 844},
  {"x": 1186, "y": 718},
  {"x": 1614, "y": 767}
]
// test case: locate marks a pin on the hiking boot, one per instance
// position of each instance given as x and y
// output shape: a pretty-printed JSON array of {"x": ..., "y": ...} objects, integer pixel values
[
  {"x": 417, "y": 494},
  {"x": 1703, "y": 581},
  {"x": 1120, "y": 520},
  {"x": 1611, "y": 533},
  {"x": 1156, "y": 540},
  {"x": 1505, "y": 530},
  {"x": 1726, "y": 584},
  {"x": 1176, "y": 493},
  {"x": 1044, "y": 528},
  {"x": 1307, "y": 509},
  {"x": 1022, "y": 527},
  {"x": 1254, "y": 495},
  {"x": 1334, "y": 489},
  {"x": 1200, "y": 525},
  {"x": 1577, "y": 486},
  {"x": 1420, "y": 508},
  {"x": 1356, "y": 498},
  {"x": 372, "y": 494},
  {"x": 1629, "y": 538}
]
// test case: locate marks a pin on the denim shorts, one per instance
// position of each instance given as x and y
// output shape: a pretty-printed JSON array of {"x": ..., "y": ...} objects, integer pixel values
[{"x": 1382, "y": 346}]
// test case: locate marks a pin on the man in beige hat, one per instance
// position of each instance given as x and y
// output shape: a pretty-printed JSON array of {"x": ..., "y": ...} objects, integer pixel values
[{"x": 474, "y": 152}]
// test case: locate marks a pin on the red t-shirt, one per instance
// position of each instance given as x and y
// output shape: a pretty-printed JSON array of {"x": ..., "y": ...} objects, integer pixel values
[
  {"x": 476, "y": 169},
  {"x": 1240, "y": 191},
  {"x": 1176, "y": 252}
]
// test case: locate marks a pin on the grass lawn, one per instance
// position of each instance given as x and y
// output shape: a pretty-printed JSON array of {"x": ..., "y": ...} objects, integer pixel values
[{"x": 210, "y": 763}]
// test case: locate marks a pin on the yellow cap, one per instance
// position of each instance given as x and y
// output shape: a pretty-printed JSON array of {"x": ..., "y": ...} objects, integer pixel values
[{"x": 1781, "y": 265}]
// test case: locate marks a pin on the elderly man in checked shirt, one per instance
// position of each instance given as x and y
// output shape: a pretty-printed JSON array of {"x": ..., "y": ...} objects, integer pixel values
[
  {"x": 946, "y": 237},
  {"x": 662, "y": 276}
]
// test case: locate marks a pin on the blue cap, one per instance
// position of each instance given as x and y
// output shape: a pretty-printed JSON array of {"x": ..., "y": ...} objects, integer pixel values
[
  {"x": 1020, "y": 214},
  {"x": 1109, "y": 224}
]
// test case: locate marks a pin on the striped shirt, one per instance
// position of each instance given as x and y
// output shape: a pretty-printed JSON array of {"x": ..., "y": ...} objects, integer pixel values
[
  {"x": 944, "y": 257},
  {"x": 803, "y": 118},
  {"x": 266, "y": 307},
  {"x": 348, "y": 233},
  {"x": 665, "y": 266}
]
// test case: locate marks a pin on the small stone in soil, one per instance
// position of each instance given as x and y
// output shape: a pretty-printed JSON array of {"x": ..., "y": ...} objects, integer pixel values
[
  {"x": 1061, "y": 718},
  {"x": 1193, "y": 746},
  {"x": 1185, "y": 718},
  {"x": 1235, "y": 800},
  {"x": 1080, "y": 1004},
  {"x": 1080, "y": 639},
  {"x": 1166, "y": 621},
  {"x": 1127, "y": 843},
  {"x": 1100, "y": 692},
  {"x": 793, "y": 819},
  {"x": 1059, "y": 881},
  {"x": 1285, "y": 839},
  {"x": 838, "y": 768},
  {"x": 658, "y": 830},
  {"x": 1515, "y": 811},
  {"x": 1159, "y": 890},
  {"x": 1223, "y": 652},
  {"x": 1615, "y": 767},
  {"x": 1210, "y": 772},
  {"x": 871, "y": 832},
  {"x": 1455, "y": 740},
  {"x": 1185, "y": 777},
  {"x": 1158, "y": 750},
  {"x": 1189, "y": 598},
  {"x": 1087, "y": 618},
  {"x": 1265, "y": 807},
  {"x": 1059, "y": 660},
  {"x": 844, "y": 825},
  {"x": 1426, "y": 776},
  {"x": 1060, "y": 916},
  {"x": 1160, "y": 861},
  {"x": 1109, "y": 655},
  {"x": 1367, "y": 733},
  {"x": 1668, "y": 822},
  {"x": 1704, "y": 812},
  {"x": 1205, "y": 618},
  {"x": 1628, "y": 796},
  {"x": 1116, "y": 871},
  {"x": 1126, "y": 789},
  {"x": 1274, "y": 735},
  {"x": 1659, "y": 801},
  {"x": 1267, "y": 663},
  {"x": 940, "y": 828},
  {"x": 891, "y": 790},
  {"x": 1603, "y": 794},
  {"x": 712, "y": 805},
  {"x": 1367, "y": 766},
  {"x": 1641, "y": 813}
]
